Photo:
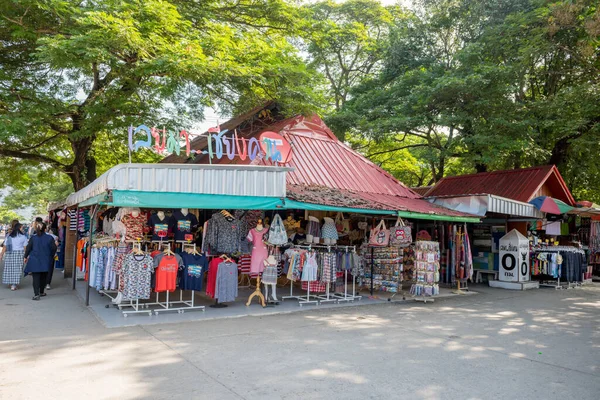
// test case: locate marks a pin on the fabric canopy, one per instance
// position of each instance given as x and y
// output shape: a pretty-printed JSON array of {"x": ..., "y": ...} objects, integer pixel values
[{"x": 551, "y": 206}]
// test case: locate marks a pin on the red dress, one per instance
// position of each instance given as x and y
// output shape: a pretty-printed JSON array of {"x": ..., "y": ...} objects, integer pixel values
[{"x": 211, "y": 282}]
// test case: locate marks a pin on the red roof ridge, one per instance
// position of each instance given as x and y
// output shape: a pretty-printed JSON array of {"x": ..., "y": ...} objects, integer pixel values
[
  {"x": 355, "y": 154},
  {"x": 501, "y": 172}
]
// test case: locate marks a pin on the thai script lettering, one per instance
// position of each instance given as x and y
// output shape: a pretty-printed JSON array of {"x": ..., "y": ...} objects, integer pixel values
[{"x": 219, "y": 144}]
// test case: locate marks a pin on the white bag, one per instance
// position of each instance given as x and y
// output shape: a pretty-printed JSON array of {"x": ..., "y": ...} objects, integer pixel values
[{"x": 277, "y": 234}]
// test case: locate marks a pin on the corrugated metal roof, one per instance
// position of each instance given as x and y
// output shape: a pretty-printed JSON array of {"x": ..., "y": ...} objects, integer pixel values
[
  {"x": 238, "y": 180},
  {"x": 517, "y": 184},
  {"x": 421, "y": 190},
  {"x": 319, "y": 158},
  {"x": 376, "y": 201}
]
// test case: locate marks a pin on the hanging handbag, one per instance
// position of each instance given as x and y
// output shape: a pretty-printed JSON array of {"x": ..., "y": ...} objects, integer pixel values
[
  {"x": 380, "y": 236},
  {"x": 277, "y": 234},
  {"x": 400, "y": 234}
]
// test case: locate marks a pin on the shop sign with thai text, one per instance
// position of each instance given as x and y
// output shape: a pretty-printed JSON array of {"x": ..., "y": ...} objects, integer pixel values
[{"x": 220, "y": 144}]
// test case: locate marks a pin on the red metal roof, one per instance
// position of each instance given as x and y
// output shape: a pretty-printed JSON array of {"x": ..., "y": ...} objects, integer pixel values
[
  {"x": 517, "y": 184},
  {"x": 326, "y": 171},
  {"x": 421, "y": 190}
]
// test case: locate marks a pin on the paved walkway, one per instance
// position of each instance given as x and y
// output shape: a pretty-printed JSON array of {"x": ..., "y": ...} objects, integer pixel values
[{"x": 542, "y": 344}]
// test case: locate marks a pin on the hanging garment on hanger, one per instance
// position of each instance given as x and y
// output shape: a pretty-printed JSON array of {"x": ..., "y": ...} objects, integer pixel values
[
  {"x": 226, "y": 289},
  {"x": 137, "y": 276},
  {"x": 309, "y": 271},
  {"x": 192, "y": 276},
  {"x": 166, "y": 269}
]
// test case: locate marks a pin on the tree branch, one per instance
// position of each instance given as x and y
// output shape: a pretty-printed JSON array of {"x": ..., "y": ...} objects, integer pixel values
[
  {"x": 32, "y": 157},
  {"x": 396, "y": 149},
  {"x": 43, "y": 142}
]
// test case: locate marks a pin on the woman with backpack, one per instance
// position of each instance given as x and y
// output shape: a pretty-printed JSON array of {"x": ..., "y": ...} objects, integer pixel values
[
  {"x": 13, "y": 249},
  {"x": 39, "y": 257}
]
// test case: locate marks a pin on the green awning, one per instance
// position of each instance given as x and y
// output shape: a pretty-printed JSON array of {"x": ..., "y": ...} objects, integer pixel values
[
  {"x": 128, "y": 198},
  {"x": 437, "y": 217},
  {"x": 299, "y": 205},
  {"x": 98, "y": 199}
]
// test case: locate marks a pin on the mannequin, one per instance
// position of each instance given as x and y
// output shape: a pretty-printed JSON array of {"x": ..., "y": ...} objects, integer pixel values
[
  {"x": 159, "y": 223},
  {"x": 329, "y": 231},
  {"x": 183, "y": 223},
  {"x": 313, "y": 230},
  {"x": 259, "y": 248},
  {"x": 270, "y": 278},
  {"x": 134, "y": 223}
]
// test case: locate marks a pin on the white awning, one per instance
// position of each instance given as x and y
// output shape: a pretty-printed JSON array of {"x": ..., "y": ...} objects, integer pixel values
[
  {"x": 230, "y": 180},
  {"x": 487, "y": 203}
]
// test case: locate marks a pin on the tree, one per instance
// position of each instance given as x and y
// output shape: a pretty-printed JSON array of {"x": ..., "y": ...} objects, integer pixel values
[
  {"x": 7, "y": 215},
  {"x": 346, "y": 42},
  {"x": 512, "y": 84},
  {"x": 74, "y": 71}
]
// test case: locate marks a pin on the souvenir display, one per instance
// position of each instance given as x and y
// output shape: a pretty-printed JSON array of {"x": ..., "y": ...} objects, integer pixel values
[{"x": 427, "y": 269}]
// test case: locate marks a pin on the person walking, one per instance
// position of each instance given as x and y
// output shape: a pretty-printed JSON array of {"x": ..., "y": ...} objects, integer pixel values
[
  {"x": 39, "y": 256},
  {"x": 13, "y": 248}
]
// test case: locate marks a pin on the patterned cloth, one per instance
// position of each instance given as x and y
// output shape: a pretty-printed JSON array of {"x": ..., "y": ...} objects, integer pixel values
[
  {"x": 309, "y": 272},
  {"x": 224, "y": 235},
  {"x": 137, "y": 276},
  {"x": 244, "y": 264},
  {"x": 329, "y": 231},
  {"x": 226, "y": 289},
  {"x": 269, "y": 276},
  {"x": 315, "y": 287},
  {"x": 329, "y": 267},
  {"x": 134, "y": 226},
  {"x": 13, "y": 267},
  {"x": 117, "y": 266},
  {"x": 313, "y": 228}
]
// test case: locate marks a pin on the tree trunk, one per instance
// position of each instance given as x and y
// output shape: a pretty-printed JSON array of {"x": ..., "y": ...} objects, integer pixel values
[
  {"x": 82, "y": 170},
  {"x": 481, "y": 167},
  {"x": 560, "y": 152}
]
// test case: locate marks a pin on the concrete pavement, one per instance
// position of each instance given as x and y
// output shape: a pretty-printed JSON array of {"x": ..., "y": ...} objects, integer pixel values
[{"x": 514, "y": 345}]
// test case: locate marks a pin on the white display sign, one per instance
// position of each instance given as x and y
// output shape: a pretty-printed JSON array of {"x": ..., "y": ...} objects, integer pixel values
[{"x": 514, "y": 257}]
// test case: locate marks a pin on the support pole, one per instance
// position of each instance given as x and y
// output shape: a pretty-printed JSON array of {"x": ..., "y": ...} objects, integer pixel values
[
  {"x": 372, "y": 268},
  {"x": 74, "y": 273},
  {"x": 89, "y": 254}
]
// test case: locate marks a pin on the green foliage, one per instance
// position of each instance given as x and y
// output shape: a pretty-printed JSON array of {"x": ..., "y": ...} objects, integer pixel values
[
  {"x": 7, "y": 215},
  {"x": 502, "y": 85},
  {"x": 74, "y": 72},
  {"x": 346, "y": 42}
]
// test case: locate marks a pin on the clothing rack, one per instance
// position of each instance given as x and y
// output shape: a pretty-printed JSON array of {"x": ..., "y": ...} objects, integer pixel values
[
  {"x": 559, "y": 249},
  {"x": 328, "y": 296},
  {"x": 344, "y": 296}
]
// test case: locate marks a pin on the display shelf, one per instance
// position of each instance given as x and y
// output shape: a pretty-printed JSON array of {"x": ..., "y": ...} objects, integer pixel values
[
  {"x": 427, "y": 269},
  {"x": 387, "y": 268}
]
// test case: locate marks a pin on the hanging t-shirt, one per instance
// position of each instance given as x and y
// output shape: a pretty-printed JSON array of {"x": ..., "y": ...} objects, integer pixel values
[
  {"x": 134, "y": 226},
  {"x": 137, "y": 272},
  {"x": 159, "y": 225},
  {"x": 183, "y": 224},
  {"x": 166, "y": 269},
  {"x": 191, "y": 277}
]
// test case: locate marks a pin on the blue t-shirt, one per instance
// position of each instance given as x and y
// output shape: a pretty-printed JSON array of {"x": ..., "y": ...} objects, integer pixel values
[
  {"x": 192, "y": 276},
  {"x": 183, "y": 224},
  {"x": 159, "y": 225}
]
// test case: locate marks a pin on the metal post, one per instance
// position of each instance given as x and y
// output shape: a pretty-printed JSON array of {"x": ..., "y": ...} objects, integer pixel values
[
  {"x": 372, "y": 268},
  {"x": 74, "y": 272},
  {"x": 89, "y": 254}
]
